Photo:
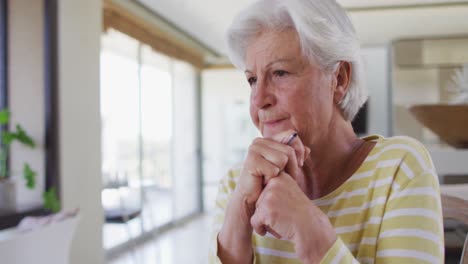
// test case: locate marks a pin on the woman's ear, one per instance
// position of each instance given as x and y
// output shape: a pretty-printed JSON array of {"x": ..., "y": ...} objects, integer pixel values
[{"x": 343, "y": 80}]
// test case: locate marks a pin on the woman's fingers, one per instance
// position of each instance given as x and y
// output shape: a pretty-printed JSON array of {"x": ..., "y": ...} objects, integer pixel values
[
  {"x": 266, "y": 158},
  {"x": 282, "y": 209},
  {"x": 290, "y": 138},
  {"x": 277, "y": 155},
  {"x": 258, "y": 224},
  {"x": 259, "y": 166},
  {"x": 307, "y": 153},
  {"x": 299, "y": 149},
  {"x": 265, "y": 214}
]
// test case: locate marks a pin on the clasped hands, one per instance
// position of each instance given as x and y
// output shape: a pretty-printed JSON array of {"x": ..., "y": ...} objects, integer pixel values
[{"x": 274, "y": 201}]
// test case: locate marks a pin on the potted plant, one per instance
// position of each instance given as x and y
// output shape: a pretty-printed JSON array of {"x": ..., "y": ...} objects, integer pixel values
[
  {"x": 449, "y": 121},
  {"x": 459, "y": 87},
  {"x": 7, "y": 184}
]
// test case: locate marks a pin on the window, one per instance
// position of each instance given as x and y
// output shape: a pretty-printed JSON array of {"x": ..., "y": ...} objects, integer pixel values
[{"x": 149, "y": 142}]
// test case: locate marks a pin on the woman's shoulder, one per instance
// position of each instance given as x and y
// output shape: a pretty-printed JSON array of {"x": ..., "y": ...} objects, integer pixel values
[
  {"x": 229, "y": 181},
  {"x": 395, "y": 140},
  {"x": 234, "y": 171},
  {"x": 406, "y": 146},
  {"x": 408, "y": 153}
]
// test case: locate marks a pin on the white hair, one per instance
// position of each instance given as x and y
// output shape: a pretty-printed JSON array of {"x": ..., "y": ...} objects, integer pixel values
[{"x": 326, "y": 36}]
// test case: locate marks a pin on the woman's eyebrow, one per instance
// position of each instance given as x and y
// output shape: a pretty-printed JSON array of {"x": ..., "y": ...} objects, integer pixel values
[
  {"x": 280, "y": 60},
  {"x": 273, "y": 62}
]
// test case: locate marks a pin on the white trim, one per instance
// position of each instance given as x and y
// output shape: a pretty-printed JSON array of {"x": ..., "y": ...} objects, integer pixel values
[
  {"x": 353, "y": 210},
  {"x": 366, "y": 260},
  {"x": 339, "y": 256},
  {"x": 353, "y": 228},
  {"x": 412, "y": 212},
  {"x": 411, "y": 232},
  {"x": 415, "y": 153},
  {"x": 429, "y": 191},
  {"x": 408, "y": 254}
]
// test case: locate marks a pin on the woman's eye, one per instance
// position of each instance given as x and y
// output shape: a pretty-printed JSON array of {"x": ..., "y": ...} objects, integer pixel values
[
  {"x": 252, "y": 80},
  {"x": 280, "y": 73}
]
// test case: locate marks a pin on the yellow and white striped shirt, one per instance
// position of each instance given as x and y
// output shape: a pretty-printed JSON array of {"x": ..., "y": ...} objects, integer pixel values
[{"x": 388, "y": 211}]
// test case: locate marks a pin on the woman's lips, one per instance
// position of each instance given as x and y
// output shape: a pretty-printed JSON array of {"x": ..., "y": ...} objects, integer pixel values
[
  {"x": 274, "y": 126},
  {"x": 273, "y": 123}
]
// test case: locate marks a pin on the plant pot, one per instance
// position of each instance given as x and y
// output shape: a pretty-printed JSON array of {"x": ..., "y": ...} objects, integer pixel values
[
  {"x": 449, "y": 122},
  {"x": 7, "y": 194}
]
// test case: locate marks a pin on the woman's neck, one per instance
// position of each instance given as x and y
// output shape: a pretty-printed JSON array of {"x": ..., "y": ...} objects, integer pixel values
[{"x": 333, "y": 159}]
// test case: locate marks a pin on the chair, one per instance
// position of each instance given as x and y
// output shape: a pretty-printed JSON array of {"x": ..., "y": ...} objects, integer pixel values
[
  {"x": 126, "y": 209},
  {"x": 457, "y": 209}
]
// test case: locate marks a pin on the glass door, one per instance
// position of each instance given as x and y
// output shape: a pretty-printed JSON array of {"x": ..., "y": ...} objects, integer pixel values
[{"x": 149, "y": 137}]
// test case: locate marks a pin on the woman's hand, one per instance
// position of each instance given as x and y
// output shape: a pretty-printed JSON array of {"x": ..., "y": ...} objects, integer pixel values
[
  {"x": 266, "y": 158},
  {"x": 286, "y": 212}
]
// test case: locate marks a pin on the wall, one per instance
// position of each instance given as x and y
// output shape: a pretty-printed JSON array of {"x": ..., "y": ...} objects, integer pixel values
[
  {"x": 377, "y": 82},
  {"x": 422, "y": 79},
  {"x": 26, "y": 94},
  {"x": 79, "y": 114},
  {"x": 380, "y": 27},
  {"x": 80, "y": 26}
]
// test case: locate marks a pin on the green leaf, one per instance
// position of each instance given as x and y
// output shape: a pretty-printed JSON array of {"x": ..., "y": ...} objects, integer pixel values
[
  {"x": 51, "y": 200},
  {"x": 23, "y": 137},
  {"x": 30, "y": 176},
  {"x": 4, "y": 117},
  {"x": 8, "y": 137},
  {"x": 3, "y": 163}
]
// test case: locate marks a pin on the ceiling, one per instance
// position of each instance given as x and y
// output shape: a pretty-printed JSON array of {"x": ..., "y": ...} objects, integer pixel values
[{"x": 377, "y": 21}]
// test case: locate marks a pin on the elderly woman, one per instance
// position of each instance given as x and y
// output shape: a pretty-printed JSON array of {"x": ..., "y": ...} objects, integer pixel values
[{"x": 310, "y": 190}]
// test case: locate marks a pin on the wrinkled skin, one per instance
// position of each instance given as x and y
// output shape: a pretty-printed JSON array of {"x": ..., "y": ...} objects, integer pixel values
[{"x": 289, "y": 93}]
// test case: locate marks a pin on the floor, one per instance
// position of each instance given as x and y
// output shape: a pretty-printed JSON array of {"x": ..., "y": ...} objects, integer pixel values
[
  {"x": 156, "y": 211},
  {"x": 185, "y": 244}
]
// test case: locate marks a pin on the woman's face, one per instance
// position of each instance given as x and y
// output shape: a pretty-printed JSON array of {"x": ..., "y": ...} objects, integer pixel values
[{"x": 287, "y": 91}]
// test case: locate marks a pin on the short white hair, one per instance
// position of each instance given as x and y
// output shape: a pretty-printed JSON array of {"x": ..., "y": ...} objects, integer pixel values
[{"x": 326, "y": 36}]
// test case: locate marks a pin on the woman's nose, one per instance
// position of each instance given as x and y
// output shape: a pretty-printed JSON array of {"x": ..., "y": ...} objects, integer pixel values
[{"x": 262, "y": 95}]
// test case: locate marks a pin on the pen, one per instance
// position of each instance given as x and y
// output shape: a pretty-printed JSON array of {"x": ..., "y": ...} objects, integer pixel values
[{"x": 291, "y": 138}]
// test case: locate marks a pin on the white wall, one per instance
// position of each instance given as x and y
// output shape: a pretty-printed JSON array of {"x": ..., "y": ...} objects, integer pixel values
[
  {"x": 26, "y": 94},
  {"x": 80, "y": 25},
  {"x": 384, "y": 26},
  {"x": 377, "y": 81},
  {"x": 413, "y": 86}
]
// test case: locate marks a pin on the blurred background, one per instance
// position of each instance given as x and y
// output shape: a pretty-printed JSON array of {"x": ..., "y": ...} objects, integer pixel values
[{"x": 137, "y": 112}]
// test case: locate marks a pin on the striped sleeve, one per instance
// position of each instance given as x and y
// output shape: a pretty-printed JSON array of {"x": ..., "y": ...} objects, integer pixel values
[
  {"x": 412, "y": 230},
  {"x": 225, "y": 189},
  {"x": 412, "y": 225},
  {"x": 220, "y": 208},
  {"x": 338, "y": 253},
  {"x": 392, "y": 212}
]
